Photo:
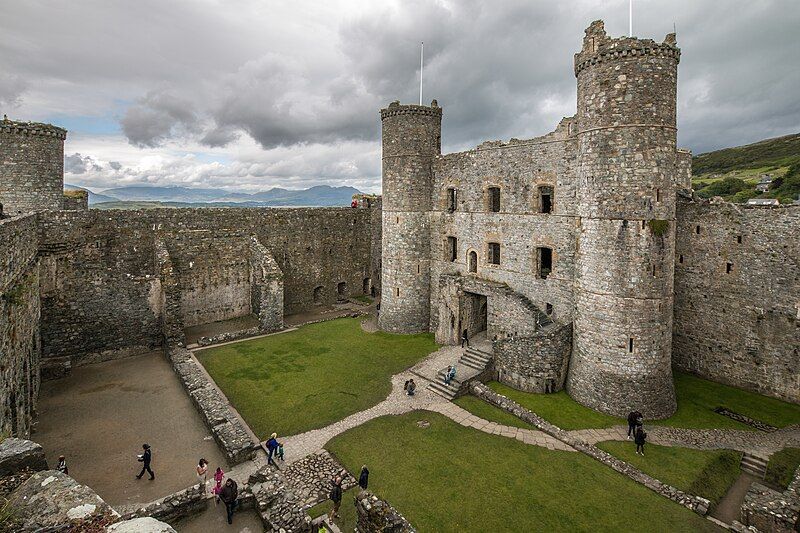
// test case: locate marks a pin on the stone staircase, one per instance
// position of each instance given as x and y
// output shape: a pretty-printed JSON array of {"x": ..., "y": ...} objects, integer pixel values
[
  {"x": 474, "y": 361},
  {"x": 753, "y": 464}
]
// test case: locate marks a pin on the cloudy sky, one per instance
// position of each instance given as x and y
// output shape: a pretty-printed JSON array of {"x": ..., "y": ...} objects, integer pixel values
[{"x": 249, "y": 95}]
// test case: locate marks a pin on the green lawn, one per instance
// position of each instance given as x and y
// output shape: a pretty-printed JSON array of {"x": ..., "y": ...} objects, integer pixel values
[
  {"x": 309, "y": 378},
  {"x": 487, "y": 411},
  {"x": 697, "y": 399},
  {"x": 558, "y": 408},
  {"x": 447, "y": 477},
  {"x": 347, "y": 511},
  {"x": 706, "y": 473},
  {"x": 782, "y": 465}
]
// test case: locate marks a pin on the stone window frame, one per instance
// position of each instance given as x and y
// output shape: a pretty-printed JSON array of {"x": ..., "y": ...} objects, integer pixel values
[
  {"x": 487, "y": 198},
  {"x": 490, "y": 255},
  {"x": 538, "y": 199},
  {"x": 537, "y": 271},
  {"x": 447, "y": 205},
  {"x": 477, "y": 257},
  {"x": 451, "y": 248}
]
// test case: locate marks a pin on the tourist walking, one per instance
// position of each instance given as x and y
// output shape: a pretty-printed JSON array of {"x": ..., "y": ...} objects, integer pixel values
[
  {"x": 336, "y": 498},
  {"x": 464, "y": 339},
  {"x": 272, "y": 448},
  {"x": 411, "y": 387},
  {"x": 145, "y": 458},
  {"x": 219, "y": 475},
  {"x": 640, "y": 439},
  {"x": 62, "y": 465},
  {"x": 363, "y": 478},
  {"x": 202, "y": 474},
  {"x": 229, "y": 495}
]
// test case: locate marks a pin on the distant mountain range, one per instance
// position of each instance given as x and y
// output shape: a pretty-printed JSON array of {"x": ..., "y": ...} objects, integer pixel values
[{"x": 322, "y": 195}]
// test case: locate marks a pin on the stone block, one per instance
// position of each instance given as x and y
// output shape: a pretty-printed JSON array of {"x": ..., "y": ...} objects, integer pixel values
[{"x": 17, "y": 454}]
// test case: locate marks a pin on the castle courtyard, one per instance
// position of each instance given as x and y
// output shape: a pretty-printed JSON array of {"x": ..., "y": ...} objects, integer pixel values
[{"x": 100, "y": 415}]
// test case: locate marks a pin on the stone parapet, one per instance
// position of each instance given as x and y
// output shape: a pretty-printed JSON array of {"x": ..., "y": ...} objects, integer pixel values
[{"x": 375, "y": 515}]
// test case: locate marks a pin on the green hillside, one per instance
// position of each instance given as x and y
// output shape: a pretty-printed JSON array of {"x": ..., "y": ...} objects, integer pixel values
[{"x": 733, "y": 172}]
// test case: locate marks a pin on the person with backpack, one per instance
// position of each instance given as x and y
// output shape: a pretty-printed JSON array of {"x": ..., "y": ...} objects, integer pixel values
[
  {"x": 363, "y": 478},
  {"x": 640, "y": 439},
  {"x": 633, "y": 416},
  {"x": 411, "y": 387},
  {"x": 272, "y": 447},
  {"x": 336, "y": 498}
]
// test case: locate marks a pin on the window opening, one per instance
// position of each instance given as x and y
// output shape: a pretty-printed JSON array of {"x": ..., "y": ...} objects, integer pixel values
[
  {"x": 494, "y": 253},
  {"x": 544, "y": 261},
  {"x": 452, "y": 249},
  {"x": 494, "y": 199}
]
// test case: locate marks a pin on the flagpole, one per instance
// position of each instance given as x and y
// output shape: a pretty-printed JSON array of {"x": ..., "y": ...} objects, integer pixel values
[
  {"x": 421, "y": 55},
  {"x": 630, "y": 18}
]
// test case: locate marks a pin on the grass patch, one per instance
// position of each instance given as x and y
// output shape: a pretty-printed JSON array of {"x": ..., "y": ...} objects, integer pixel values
[
  {"x": 489, "y": 412},
  {"x": 558, "y": 408},
  {"x": 347, "y": 510},
  {"x": 363, "y": 298},
  {"x": 451, "y": 478},
  {"x": 697, "y": 399},
  {"x": 706, "y": 473},
  {"x": 781, "y": 467},
  {"x": 312, "y": 377}
]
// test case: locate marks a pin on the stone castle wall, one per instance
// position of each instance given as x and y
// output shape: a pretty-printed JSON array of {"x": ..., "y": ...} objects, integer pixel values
[
  {"x": 31, "y": 166},
  {"x": 737, "y": 296},
  {"x": 20, "y": 347},
  {"x": 101, "y": 280}
]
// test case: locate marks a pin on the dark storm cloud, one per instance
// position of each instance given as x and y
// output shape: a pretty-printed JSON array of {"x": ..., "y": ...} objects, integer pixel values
[{"x": 310, "y": 74}]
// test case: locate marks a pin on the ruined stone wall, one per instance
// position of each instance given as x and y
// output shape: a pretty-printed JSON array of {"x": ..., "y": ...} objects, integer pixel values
[
  {"x": 535, "y": 363},
  {"x": 20, "y": 347},
  {"x": 31, "y": 166},
  {"x": 737, "y": 296},
  {"x": 76, "y": 200},
  {"x": 213, "y": 270},
  {"x": 101, "y": 281},
  {"x": 520, "y": 169}
]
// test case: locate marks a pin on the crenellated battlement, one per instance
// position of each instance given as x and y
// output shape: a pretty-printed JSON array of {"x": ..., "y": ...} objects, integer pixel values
[
  {"x": 396, "y": 109},
  {"x": 598, "y": 47},
  {"x": 31, "y": 128}
]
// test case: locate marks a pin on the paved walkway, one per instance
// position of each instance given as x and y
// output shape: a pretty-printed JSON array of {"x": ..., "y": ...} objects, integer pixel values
[{"x": 753, "y": 442}]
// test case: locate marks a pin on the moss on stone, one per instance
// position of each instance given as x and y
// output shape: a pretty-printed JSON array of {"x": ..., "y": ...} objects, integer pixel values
[{"x": 658, "y": 227}]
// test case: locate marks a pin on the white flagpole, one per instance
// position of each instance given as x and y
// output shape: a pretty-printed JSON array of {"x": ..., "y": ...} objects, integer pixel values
[
  {"x": 421, "y": 55},
  {"x": 630, "y": 18}
]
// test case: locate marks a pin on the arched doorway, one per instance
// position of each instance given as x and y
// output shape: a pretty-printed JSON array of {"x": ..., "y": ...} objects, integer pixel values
[
  {"x": 318, "y": 294},
  {"x": 472, "y": 261}
]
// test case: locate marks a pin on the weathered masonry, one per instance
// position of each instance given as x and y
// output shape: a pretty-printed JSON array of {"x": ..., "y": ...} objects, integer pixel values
[{"x": 568, "y": 249}]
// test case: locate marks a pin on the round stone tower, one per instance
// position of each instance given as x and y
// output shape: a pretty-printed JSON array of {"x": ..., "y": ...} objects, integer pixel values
[
  {"x": 627, "y": 175},
  {"x": 31, "y": 166},
  {"x": 411, "y": 139}
]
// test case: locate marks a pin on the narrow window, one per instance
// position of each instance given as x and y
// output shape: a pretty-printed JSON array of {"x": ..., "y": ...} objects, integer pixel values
[
  {"x": 739, "y": 239},
  {"x": 680, "y": 259},
  {"x": 545, "y": 199},
  {"x": 396, "y": 220},
  {"x": 494, "y": 253},
  {"x": 452, "y": 248},
  {"x": 654, "y": 271},
  {"x": 544, "y": 260},
  {"x": 473, "y": 261},
  {"x": 697, "y": 229},
  {"x": 728, "y": 268},
  {"x": 658, "y": 195},
  {"x": 418, "y": 269},
  {"x": 493, "y": 199},
  {"x": 630, "y": 345},
  {"x": 318, "y": 294},
  {"x": 548, "y": 308},
  {"x": 397, "y": 291},
  {"x": 452, "y": 199},
  {"x": 644, "y": 224}
]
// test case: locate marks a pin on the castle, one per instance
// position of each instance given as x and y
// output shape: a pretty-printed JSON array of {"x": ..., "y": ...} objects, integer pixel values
[{"x": 582, "y": 254}]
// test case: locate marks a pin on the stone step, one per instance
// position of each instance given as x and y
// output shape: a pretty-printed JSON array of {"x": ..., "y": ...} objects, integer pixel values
[
  {"x": 480, "y": 366},
  {"x": 476, "y": 358},
  {"x": 752, "y": 464},
  {"x": 481, "y": 356},
  {"x": 442, "y": 390}
]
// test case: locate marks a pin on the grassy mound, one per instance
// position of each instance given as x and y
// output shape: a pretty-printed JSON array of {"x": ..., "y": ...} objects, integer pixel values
[{"x": 782, "y": 465}]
